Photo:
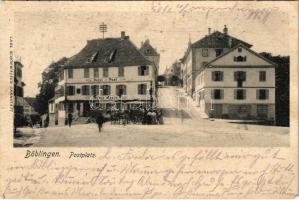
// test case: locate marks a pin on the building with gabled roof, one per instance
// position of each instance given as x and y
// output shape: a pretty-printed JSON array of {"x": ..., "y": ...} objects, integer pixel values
[
  {"x": 239, "y": 84},
  {"x": 111, "y": 72},
  {"x": 203, "y": 51},
  {"x": 227, "y": 79}
]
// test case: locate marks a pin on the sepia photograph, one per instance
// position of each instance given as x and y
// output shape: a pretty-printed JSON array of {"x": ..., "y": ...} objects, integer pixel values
[
  {"x": 149, "y": 100},
  {"x": 95, "y": 79}
]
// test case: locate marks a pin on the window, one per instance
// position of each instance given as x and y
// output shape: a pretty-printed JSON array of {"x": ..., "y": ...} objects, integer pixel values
[
  {"x": 86, "y": 73},
  {"x": 19, "y": 72},
  {"x": 240, "y": 58},
  {"x": 61, "y": 76},
  {"x": 205, "y": 52},
  {"x": 263, "y": 76},
  {"x": 70, "y": 73},
  {"x": 70, "y": 90},
  {"x": 96, "y": 72},
  {"x": 217, "y": 94},
  {"x": 240, "y": 76},
  {"x": 141, "y": 89},
  {"x": 121, "y": 71},
  {"x": 95, "y": 90},
  {"x": 85, "y": 90},
  {"x": 121, "y": 90},
  {"x": 18, "y": 91},
  {"x": 105, "y": 72},
  {"x": 262, "y": 94},
  {"x": 217, "y": 76},
  {"x": 106, "y": 90},
  {"x": 143, "y": 70},
  {"x": 240, "y": 94},
  {"x": 78, "y": 90},
  {"x": 218, "y": 52},
  {"x": 239, "y": 49}
]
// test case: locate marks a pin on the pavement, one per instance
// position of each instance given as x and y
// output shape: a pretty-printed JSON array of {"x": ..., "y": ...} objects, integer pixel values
[{"x": 182, "y": 127}]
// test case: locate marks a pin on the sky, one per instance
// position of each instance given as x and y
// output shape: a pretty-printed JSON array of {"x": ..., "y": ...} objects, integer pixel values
[{"x": 42, "y": 36}]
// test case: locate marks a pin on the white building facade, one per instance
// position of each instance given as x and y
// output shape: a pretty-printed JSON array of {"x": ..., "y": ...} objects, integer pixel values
[{"x": 240, "y": 84}]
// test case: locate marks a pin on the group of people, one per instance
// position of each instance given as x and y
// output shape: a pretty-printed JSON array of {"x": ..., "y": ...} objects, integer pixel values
[{"x": 144, "y": 116}]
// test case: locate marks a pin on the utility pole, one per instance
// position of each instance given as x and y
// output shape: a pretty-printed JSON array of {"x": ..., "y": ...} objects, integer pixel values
[{"x": 103, "y": 29}]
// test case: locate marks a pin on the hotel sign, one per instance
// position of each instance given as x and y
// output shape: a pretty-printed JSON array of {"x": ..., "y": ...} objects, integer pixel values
[{"x": 110, "y": 79}]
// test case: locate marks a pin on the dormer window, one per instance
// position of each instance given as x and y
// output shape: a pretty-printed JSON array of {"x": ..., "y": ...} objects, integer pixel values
[
  {"x": 94, "y": 57},
  {"x": 112, "y": 56},
  {"x": 240, "y": 58}
]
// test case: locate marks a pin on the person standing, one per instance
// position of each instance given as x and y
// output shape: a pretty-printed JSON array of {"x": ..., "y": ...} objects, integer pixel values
[
  {"x": 100, "y": 121},
  {"x": 70, "y": 119}
]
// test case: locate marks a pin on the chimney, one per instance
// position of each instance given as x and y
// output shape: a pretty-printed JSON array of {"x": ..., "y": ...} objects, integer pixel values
[
  {"x": 123, "y": 34},
  {"x": 209, "y": 29},
  {"x": 225, "y": 30}
]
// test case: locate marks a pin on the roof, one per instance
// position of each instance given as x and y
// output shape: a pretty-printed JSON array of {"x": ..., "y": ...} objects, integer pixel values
[
  {"x": 146, "y": 49},
  {"x": 245, "y": 47},
  {"x": 218, "y": 40},
  {"x": 108, "y": 52}
]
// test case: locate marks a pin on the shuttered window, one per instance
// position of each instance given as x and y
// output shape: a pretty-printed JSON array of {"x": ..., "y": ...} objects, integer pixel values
[
  {"x": 121, "y": 71},
  {"x": 86, "y": 73},
  {"x": 240, "y": 76},
  {"x": 96, "y": 72},
  {"x": 217, "y": 76},
  {"x": 262, "y": 94},
  {"x": 85, "y": 90},
  {"x": 70, "y": 73},
  {"x": 105, "y": 72},
  {"x": 70, "y": 90},
  {"x": 106, "y": 89},
  {"x": 263, "y": 76},
  {"x": 239, "y": 94},
  {"x": 217, "y": 94},
  {"x": 95, "y": 90},
  {"x": 142, "y": 89},
  {"x": 121, "y": 90},
  {"x": 143, "y": 70}
]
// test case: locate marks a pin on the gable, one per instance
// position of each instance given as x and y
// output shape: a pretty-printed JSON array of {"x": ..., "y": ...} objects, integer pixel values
[{"x": 241, "y": 56}]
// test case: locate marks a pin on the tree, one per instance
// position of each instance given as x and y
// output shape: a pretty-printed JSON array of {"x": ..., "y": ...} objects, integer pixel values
[
  {"x": 47, "y": 87},
  {"x": 282, "y": 90}
]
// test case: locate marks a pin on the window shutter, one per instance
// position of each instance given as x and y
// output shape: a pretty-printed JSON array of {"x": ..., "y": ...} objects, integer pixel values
[
  {"x": 267, "y": 94},
  {"x": 235, "y": 75},
  {"x": 257, "y": 94},
  {"x": 139, "y": 89},
  {"x": 145, "y": 88},
  {"x": 97, "y": 89},
  {"x": 244, "y": 76},
  {"x": 221, "y": 76},
  {"x": 139, "y": 70},
  {"x": 235, "y": 94},
  {"x": 125, "y": 90},
  {"x": 244, "y": 94},
  {"x": 213, "y": 76}
]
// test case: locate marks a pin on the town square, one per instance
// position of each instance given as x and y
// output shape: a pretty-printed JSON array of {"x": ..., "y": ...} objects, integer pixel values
[{"x": 192, "y": 84}]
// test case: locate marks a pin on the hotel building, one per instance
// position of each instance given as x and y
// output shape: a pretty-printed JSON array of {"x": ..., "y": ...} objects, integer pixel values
[{"x": 111, "y": 71}]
